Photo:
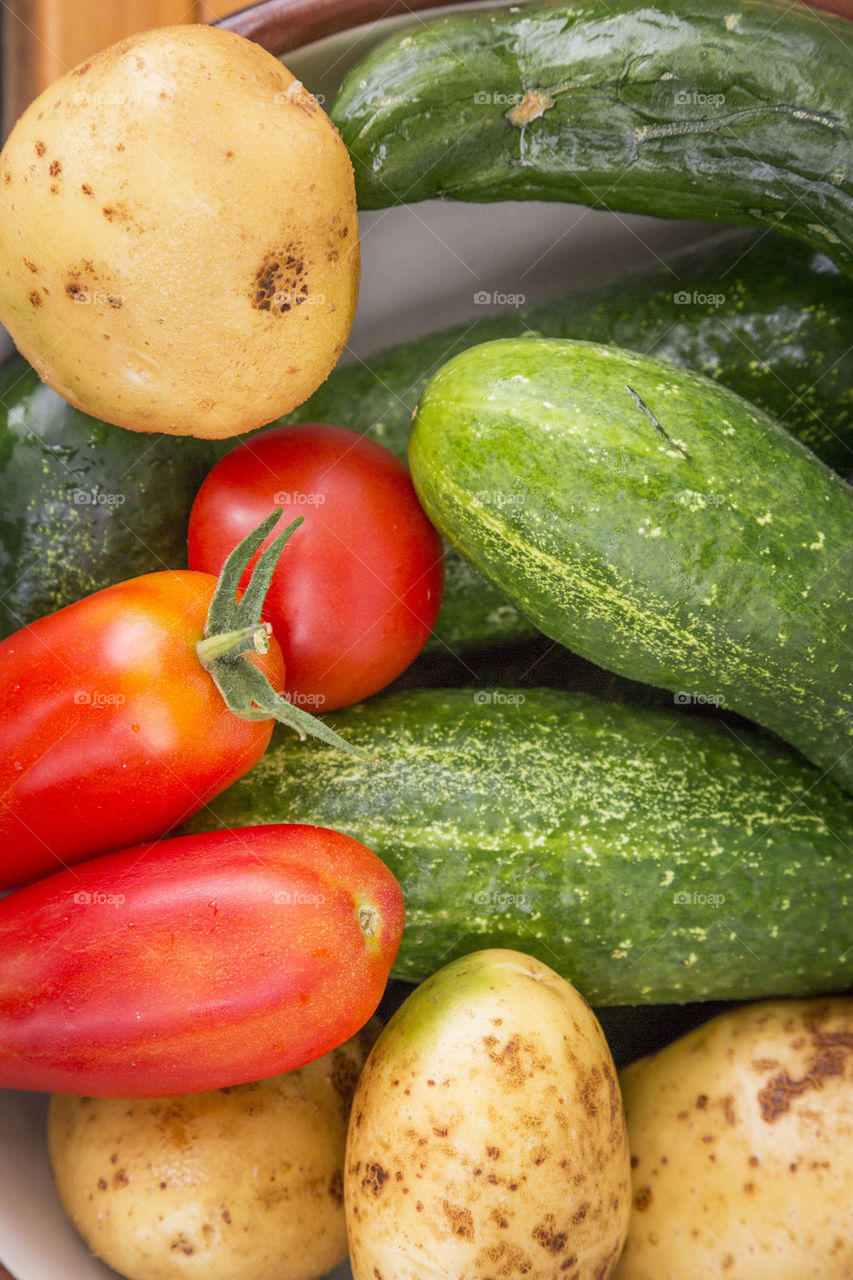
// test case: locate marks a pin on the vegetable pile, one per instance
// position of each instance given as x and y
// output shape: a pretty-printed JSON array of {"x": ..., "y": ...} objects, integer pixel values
[{"x": 224, "y": 853}]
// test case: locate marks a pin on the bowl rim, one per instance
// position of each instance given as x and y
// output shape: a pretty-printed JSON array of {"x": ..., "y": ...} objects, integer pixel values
[{"x": 281, "y": 26}]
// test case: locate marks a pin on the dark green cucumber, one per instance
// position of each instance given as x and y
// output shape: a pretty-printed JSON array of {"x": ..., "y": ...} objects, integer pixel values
[
  {"x": 649, "y": 856},
  {"x": 653, "y": 522},
  {"x": 763, "y": 315},
  {"x": 85, "y": 504},
  {"x": 737, "y": 110},
  {"x": 766, "y": 317}
]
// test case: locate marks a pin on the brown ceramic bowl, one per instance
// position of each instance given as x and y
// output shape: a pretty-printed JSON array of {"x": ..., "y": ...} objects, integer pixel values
[{"x": 282, "y": 25}]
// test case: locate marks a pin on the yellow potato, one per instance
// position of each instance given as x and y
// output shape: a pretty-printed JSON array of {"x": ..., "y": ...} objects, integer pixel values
[
  {"x": 178, "y": 235},
  {"x": 741, "y": 1137},
  {"x": 244, "y": 1183},
  {"x": 487, "y": 1138}
]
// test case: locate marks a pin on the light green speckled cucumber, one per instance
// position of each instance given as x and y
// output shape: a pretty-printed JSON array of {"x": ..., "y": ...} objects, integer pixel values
[
  {"x": 647, "y": 855},
  {"x": 653, "y": 522},
  {"x": 767, "y": 318}
]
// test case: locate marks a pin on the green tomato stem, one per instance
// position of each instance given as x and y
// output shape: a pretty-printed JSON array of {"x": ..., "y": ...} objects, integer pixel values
[
  {"x": 230, "y": 643},
  {"x": 234, "y": 629}
]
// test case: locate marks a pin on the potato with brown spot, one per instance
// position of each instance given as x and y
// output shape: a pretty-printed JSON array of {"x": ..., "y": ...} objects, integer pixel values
[
  {"x": 741, "y": 1135},
  {"x": 216, "y": 176},
  {"x": 508, "y": 1095},
  {"x": 244, "y": 1183}
]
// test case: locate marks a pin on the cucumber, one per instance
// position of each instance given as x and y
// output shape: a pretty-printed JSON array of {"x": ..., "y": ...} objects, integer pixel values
[
  {"x": 649, "y": 856},
  {"x": 764, "y": 316},
  {"x": 85, "y": 504},
  {"x": 653, "y": 522},
  {"x": 528, "y": 664},
  {"x": 780, "y": 337},
  {"x": 732, "y": 110}
]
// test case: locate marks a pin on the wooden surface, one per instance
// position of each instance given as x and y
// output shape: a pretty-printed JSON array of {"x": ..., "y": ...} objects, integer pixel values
[{"x": 42, "y": 39}]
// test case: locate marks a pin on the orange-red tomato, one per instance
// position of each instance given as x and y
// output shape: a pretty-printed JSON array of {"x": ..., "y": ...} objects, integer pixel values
[{"x": 111, "y": 730}]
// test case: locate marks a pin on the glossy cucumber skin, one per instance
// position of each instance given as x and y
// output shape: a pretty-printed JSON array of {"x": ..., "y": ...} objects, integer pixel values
[
  {"x": 738, "y": 112},
  {"x": 648, "y": 855},
  {"x": 704, "y": 552},
  {"x": 85, "y": 504},
  {"x": 780, "y": 337}
]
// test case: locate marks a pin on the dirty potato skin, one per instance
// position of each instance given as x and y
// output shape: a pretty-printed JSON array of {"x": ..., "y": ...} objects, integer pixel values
[
  {"x": 741, "y": 1139},
  {"x": 487, "y": 1138},
  {"x": 243, "y": 1183},
  {"x": 178, "y": 235}
]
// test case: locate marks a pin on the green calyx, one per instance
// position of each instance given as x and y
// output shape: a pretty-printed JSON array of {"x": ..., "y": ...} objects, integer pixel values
[{"x": 234, "y": 628}]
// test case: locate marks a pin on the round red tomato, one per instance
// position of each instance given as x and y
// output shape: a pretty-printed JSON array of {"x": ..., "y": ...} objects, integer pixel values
[{"x": 356, "y": 593}]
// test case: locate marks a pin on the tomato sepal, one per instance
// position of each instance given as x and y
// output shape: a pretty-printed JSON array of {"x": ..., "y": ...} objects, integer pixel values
[{"x": 234, "y": 628}]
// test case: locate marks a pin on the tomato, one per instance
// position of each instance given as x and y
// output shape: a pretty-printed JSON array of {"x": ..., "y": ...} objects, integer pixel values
[
  {"x": 195, "y": 962},
  {"x": 113, "y": 728},
  {"x": 356, "y": 595}
]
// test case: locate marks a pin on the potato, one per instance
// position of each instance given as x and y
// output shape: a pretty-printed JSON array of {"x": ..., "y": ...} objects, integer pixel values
[
  {"x": 741, "y": 1138},
  {"x": 178, "y": 236},
  {"x": 243, "y": 1183},
  {"x": 487, "y": 1137}
]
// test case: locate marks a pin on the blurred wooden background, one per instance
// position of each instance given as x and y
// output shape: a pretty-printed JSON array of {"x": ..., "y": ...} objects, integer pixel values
[{"x": 42, "y": 39}]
